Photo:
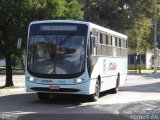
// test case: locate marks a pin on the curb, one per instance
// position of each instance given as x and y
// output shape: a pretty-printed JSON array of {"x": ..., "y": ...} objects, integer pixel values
[{"x": 145, "y": 74}]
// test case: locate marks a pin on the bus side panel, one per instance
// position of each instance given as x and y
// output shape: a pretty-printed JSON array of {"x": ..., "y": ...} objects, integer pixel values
[{"x": 108, "y": 69}]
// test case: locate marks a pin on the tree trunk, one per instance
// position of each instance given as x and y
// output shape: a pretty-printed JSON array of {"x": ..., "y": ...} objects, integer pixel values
[
  {"x": 9, "y": 81},
  {"x": 22, "y": 62}
]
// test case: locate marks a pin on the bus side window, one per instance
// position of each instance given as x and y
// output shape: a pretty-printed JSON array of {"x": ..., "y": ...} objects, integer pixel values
[
  {"x": 91, "y": 49},
  {"x": 120, "y": 42},
  {"x": 91, "y": 45},
  {"x": 106, "y": 39},
  {"x": 126, "y": 44},
  {"x": 89, "y": 52},
  {"x": 101, "y": 38},
  {"x": 116, "y": 42},
  {"x": 111, "y": 40}
]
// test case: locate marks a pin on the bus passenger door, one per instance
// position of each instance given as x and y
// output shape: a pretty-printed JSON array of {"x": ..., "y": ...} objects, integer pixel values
[{"x": 93, "y": 42}]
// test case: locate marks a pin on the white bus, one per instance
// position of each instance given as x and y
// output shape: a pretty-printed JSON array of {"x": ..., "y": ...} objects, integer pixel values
[{"x": 74, "y": 57}]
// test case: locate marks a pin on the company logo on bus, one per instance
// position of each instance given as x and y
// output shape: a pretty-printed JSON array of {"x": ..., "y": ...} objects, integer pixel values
[
  {"x": 54, "y": 81},
  {"x": 112, "y": 66},
  {"x": 47, "y": 81}
]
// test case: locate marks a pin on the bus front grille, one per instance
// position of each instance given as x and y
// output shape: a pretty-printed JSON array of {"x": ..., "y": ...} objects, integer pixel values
[{"x": 60, "y": 90}]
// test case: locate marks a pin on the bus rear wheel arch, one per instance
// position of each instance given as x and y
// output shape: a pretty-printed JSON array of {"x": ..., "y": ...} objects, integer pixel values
[{"x": 116, "y": 89}]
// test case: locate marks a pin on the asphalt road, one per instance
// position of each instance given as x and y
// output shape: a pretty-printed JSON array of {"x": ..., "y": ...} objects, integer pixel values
[{"x": 138, "y": 98}]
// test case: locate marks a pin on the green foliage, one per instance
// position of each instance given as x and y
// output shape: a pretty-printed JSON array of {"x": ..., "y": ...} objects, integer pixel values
[
  {"x": 109, "y": 13},
  {"x": 17, "y": 14},
  {"x": 131, "y": 17},
  {"x": 54, "y": 9},
  {"x": 139, "y": 35},
  {"x": 11, "y": 24},
  {"x": 73, "y": 10}
]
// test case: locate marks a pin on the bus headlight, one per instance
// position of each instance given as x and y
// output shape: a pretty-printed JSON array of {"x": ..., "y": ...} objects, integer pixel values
[
  {"x": 76, "y": 81},
  {"x": 31, "y": 79}
]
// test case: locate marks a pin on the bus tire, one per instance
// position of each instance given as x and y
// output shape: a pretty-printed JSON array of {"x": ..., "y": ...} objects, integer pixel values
[
  {"x": 96, "y": 95},
  {"x": 116, "y": 89},
  {"x": 43, "y": 96}
]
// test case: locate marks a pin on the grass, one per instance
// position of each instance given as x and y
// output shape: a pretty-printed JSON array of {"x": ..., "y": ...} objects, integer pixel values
[
  {"x": 14, "y": 70},
  {"x": 143, "y": 71},
  {"x": 11, "y": 87}
]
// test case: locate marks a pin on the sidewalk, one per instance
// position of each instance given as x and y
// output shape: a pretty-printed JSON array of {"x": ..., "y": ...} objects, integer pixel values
[
  {"x": 18, "y": 81},
  {"x": 11, "y": 91},
  {"x": 144, "y": 75}
]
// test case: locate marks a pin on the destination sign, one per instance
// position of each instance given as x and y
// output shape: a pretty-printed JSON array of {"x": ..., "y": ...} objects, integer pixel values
[{"x": 58, "y": 28}]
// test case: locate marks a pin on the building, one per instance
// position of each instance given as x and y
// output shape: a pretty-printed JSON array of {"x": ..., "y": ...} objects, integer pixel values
[{"x": 143, "y": 60}]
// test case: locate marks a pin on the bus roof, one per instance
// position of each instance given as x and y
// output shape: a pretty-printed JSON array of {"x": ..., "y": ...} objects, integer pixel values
[
  {"x": 91, "y": 25},
  {"x": 108, "y": 30}
]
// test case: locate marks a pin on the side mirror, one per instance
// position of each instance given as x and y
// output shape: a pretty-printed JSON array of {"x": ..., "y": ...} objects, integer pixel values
[
  {"x": 95, "y": 41},
  {"x": 19, "y": 43}
]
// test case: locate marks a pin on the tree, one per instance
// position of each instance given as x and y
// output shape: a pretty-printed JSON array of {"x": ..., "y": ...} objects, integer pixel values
[
  {"x": 108, "y": 13},
  {"x": 140, "y": 35},
  {"x": 17, "y": 14},
  {"x": 73, "y": 10},
  {"x": 54, "y": 9},
  {"x": 10, "y": 26},
  {"x": 131, "y": 17},
  {"x": 142, "y": 29}
]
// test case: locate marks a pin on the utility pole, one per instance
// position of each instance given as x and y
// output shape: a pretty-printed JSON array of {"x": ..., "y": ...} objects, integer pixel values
[{"x": 155, "y": 36}]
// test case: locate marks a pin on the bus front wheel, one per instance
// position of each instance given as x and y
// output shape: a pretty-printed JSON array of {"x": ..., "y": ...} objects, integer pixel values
[
  {"x": 43, "y": 96},
  {"x": 95, "y": 96}
]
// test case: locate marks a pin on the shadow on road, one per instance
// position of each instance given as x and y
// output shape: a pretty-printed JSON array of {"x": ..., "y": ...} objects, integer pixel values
[
  {"x": 30, "y": 108},
  {"x": 73, "y": 117},
  {"x": 64, "y": 100},
  {"x": 31, "y": 98},
  {"x": 65, "y": 104},
  {"x": 60, "y": 108}
]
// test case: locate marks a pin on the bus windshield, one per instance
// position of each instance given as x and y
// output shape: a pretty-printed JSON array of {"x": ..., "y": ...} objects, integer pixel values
[{"x": 56, "y": 54}]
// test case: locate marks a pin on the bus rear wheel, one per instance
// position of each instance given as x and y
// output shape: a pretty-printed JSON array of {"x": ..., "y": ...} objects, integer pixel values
[
  {"x": 96, "y": 95},
  {"x": 43, "y": 96},
  {"x": 116, "y": 89}
]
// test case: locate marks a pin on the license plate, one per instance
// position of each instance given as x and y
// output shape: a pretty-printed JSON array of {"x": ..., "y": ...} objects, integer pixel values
[{"x": 54, "y": 87}]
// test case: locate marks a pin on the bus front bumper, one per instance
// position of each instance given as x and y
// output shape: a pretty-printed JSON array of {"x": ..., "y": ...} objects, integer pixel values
[{"x": 81, "y": 88}]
